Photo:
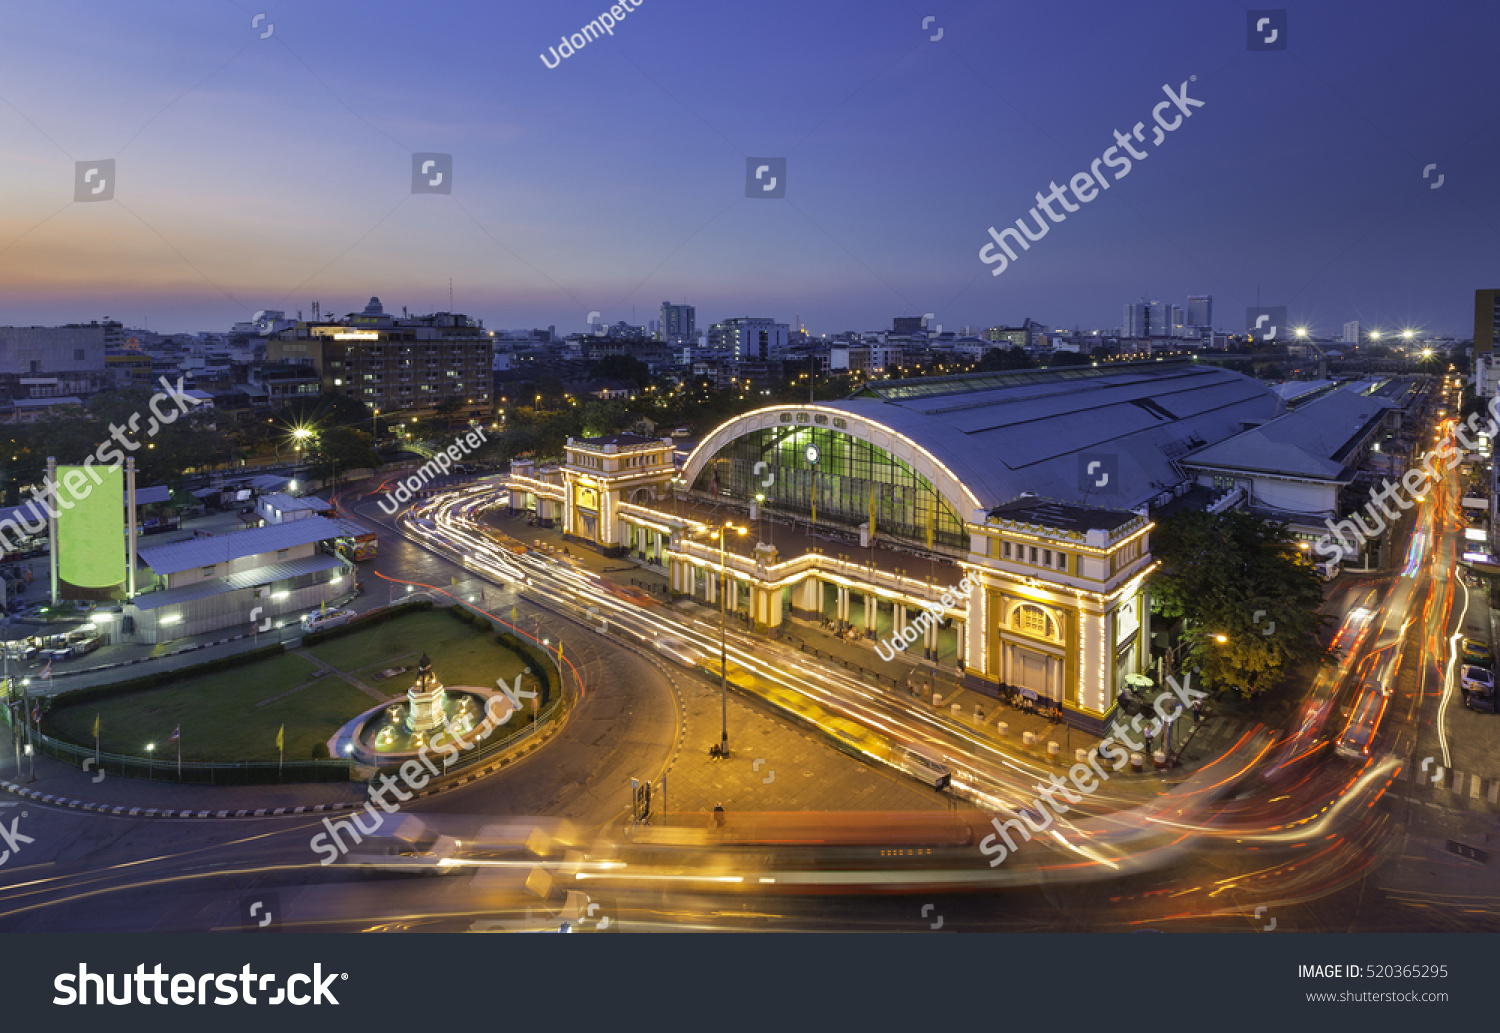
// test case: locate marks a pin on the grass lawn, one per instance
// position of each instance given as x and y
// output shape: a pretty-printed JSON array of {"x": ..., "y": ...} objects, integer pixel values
[
  {"x": 461, "y": 654},
  {"x": 225, "y": 716},
  {"x": 219, "y": 715}
]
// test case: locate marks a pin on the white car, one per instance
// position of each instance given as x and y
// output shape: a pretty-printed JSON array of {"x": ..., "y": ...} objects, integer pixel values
[
  {"x": 317, "y": 621},
  {"x": 683, "y": 653},
  {"x": 923, "y": 763},
  {"x": 1477, "y": 679}
]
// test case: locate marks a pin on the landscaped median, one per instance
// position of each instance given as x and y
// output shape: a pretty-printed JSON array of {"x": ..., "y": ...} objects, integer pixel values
[{"x": 266, "y": 715}]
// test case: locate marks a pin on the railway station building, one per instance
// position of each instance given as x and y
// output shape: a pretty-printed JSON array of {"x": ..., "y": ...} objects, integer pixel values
[{"x": 998, "y": 523}]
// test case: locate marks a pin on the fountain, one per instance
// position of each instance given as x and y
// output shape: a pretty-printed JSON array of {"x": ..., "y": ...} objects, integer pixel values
[{"x": 400, "y": 730}]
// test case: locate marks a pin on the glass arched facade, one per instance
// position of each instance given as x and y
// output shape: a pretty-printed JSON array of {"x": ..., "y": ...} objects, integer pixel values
[{"x": 847, "y": 477}]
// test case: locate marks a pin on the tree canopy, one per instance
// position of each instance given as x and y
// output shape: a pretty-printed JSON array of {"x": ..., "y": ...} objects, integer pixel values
[
  {"x": 1249, "y": 599},
  {"x": 622, "y": 367}
]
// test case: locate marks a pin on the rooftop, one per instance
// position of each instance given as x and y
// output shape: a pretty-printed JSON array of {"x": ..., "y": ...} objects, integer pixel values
[
  {"x": 283, "y": 502},
  {"x": 618, "y": 440},
  {"x": 1316, "y": 440},
  {"x": 1005, "y": 434},
  {"x": 204, "y": 552},
  {"x": 1061, "y": 516}
]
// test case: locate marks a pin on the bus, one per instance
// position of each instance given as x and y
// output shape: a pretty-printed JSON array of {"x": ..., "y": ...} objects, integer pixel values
[{"x": 358, "y": 547}]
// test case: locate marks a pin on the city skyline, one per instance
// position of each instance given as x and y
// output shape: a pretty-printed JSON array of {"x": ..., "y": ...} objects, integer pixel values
[{"x": 263, "y": 168}]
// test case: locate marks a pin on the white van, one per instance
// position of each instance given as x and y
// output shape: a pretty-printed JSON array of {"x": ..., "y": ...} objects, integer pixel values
[
  {"x": 1327, "y": 569},
  {"x": 922, "y": 763},
  {"x": 317, "y": 621}
]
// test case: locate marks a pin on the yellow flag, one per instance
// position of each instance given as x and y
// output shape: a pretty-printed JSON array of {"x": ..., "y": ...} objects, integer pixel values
[
  {"x": 872, "y": 509},
  {"x": 453, "y": 581},
  {"x": 931, "y": 519},
  {"x": 281, "y": 738},
  {"x": 96, "y": 726}
]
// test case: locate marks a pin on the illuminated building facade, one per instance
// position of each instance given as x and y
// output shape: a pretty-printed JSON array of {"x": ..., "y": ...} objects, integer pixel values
[{"x": 1031, "y": 488}]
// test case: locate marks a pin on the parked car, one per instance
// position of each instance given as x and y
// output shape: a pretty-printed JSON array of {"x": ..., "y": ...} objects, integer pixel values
[
  {"x": 1478, "y": 679},
  {"x": 1482, "y": 702},
  {"x": 317, "y": 621},
  {"x": 1478, "y": 654}
]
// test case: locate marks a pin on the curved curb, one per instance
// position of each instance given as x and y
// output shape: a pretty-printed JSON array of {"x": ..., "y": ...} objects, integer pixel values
[{"x": 122, "y": 811}]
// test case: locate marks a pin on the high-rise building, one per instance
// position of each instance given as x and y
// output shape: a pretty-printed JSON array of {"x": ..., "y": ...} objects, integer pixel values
[
  {"x": 677, "y": 324},
  {"x": 749, "y": 338},
  {"x": 1200, "y": 312},
  {"x": 1486, "y": 320},
  {"x": 1351, "y": 332},
  {"x": 396, "y": 364},
  {"x": 907, "y": 325},
  {"x": 1148, "y": 319}
]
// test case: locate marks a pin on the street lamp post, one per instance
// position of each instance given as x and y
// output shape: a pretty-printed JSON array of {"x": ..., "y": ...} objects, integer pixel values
[
  {"x": 557, "y": 658},
  {"x": 723, "y": 643},
  {"x": 722, "y": 534}
]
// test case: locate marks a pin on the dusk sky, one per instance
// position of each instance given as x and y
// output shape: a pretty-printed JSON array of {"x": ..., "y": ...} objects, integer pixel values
[{"x": 268, "y": 173}]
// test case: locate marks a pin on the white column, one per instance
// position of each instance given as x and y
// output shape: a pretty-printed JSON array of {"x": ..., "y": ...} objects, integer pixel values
[
  {"x": 130, "y": 539},
  {"x": 51, "y": 484}
]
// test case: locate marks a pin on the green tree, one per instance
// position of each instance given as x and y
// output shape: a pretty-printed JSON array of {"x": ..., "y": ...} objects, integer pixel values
[
  {"x": 1014, "y": 357},
  {"x": 622, "y": 367},
  {"x": 1068, "y": 359},
  {"x": 325, "y": 410},
  {"x": 604, "y": 417},
  {"x": 341, "y": 449},
  {"x": 1248, "y": 598}
]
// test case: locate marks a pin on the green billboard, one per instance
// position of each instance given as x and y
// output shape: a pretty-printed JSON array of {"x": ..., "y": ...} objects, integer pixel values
[{"x": 91, "y": 526}]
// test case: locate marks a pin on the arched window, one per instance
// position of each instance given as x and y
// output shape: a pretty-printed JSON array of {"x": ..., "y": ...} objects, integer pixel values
[{"x": 1032, "y": 620}]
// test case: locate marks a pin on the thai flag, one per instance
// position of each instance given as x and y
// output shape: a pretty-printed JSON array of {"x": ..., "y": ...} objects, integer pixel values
[
  {"x": 176, "y": 734},
  {"x": 47, "y": 671}
]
